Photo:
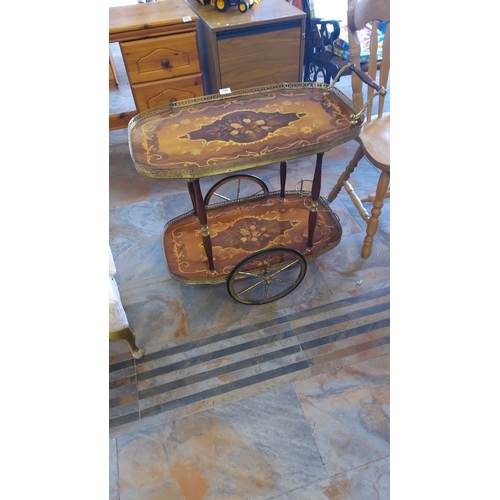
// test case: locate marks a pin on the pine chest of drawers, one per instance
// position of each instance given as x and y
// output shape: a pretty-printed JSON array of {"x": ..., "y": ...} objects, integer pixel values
[{"x": 159, "y": 45}]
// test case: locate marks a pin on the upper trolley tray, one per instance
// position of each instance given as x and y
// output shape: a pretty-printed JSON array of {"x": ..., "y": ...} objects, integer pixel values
[{"x": 219, "y": 134}]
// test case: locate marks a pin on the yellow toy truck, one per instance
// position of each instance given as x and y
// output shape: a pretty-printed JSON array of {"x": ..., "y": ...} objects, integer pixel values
[{"x": 223, "y": 5}]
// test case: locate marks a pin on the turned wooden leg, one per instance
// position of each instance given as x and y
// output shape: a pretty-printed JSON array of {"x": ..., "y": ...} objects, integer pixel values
[
  {"x": 127, "y": 335},
  {"x": 313, "y": 212},
  {"x": 192, "y": 195},
  {"x": 382, "y": 187},
  {"x": 282, "y": 180},
  {"x": 201, "y": 212},
  {"x": 346, "y": 174}
]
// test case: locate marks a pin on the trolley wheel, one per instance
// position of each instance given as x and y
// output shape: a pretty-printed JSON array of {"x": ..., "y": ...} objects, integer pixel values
[
  {"x": 221, "y": 5},
  {"x": 243, "y": 6},
  {"x": 266, "y": 276},
  {"x": 235, "y": 187}
]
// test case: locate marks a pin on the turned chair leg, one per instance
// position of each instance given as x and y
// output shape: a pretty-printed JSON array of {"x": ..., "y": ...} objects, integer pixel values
[
  {"x": 127, "y": 335},
  {"x": 346, "y": 174},
  {"x": 382, "y": 187}
]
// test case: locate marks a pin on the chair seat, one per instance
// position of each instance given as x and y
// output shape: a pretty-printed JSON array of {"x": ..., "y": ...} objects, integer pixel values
[{"x": 375, "y": 140}]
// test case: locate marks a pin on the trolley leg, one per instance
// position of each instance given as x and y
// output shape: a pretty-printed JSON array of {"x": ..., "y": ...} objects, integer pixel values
[
  {"x": 315, "y": 190},
  {"x": 192, "y": 195},
  {"x": 282, "y": 179},
  {"x": 202, "y": 217}
]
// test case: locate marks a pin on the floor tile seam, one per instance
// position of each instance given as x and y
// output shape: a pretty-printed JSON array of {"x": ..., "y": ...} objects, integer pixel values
[
  {"x": 216, "y": 385},
  {"x": 121, "y": 365},
  {"x": 121, "y": 374},
  {"x": 133, "y": 284},
  {"x": 265, "y": 375},
  {"x": 203, "y": 374},
  {"x": 202, "y": 358},
  {"x": 238, "y": 348},
  {"x": 373, "y": 352},
  {"x": 233, "y": 386},
  {"x": 315, "y": 335},
  {"x": 329, "y": 477},
  {"x": 379, "y": 292},
  {"x": 298, "y": 330},
  {"x": 123, "y": 390},
  {"x": 260, "y": 326},
  {"x": 350, "y": 309},
  {"x": 181, "y": 348},
  {"x": 118, "y": 411},
  {"x": 352, "y": 342},
  {"x": 212, "y": 348},
  {"x": 115, "y": 402},
  {"x": 122, "y": 381},
  {"x": 328, "y": 339},
  {"x": 312, "y": 431},
  {"x": 210, "y": 364},
  {"x": 344, "y": 318},
  {"x": 345, "y": 352},
  {"x": 304, "y": 346},
  {"x": 182, "y": 411},
  {"x": 139, "y": 425},
  {"x": 222, "y": 370}
]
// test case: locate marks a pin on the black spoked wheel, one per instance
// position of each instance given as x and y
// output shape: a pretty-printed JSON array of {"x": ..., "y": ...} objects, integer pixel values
[
  {"x": 235, "y": 187},
  {"x": 266, "y": 276},
  {"x": 243, "y": 6},
  {"x": 221, "y": 5}
]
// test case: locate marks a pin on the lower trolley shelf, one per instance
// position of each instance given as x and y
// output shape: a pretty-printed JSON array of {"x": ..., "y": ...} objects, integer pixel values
[{"x": 245, "y": 227}]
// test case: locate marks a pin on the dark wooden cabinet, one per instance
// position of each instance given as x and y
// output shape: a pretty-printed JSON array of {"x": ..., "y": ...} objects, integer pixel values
[{"x": 262, "y": 46}]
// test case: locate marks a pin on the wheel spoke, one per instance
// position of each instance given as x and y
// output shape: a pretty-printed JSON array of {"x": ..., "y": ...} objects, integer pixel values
[
  {"x": 251, "y": 287},
  {"x": 285, "y": 268},
  {"x": 283, "y": 281},
  {"x": 223, "y": 197},
  {"x": 252, "y": 274}
]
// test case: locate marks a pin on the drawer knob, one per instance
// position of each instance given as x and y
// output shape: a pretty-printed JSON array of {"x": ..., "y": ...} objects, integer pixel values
[{"x": 165, "y": 63}]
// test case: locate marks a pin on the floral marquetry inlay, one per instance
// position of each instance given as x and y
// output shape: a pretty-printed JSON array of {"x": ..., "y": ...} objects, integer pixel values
[{"x": 210, "y": 135}]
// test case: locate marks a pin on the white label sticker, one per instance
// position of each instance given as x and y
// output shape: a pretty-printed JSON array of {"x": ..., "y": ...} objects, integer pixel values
[
  {"x": 225, "y": 91},
  {"x": 186, "y": 19}
]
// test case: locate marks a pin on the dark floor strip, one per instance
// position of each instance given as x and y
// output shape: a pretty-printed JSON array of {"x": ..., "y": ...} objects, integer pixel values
[
  {"x": 122, "y": 400},
  {"x": 203, "y": 358},
  {"x": 375, "y": 294},
  {"x": 360, "y": 313},
  {"x": 215, "y": 391},
  {"x": 122, "y": 381},
  {"x": 217, "y": 372},
  {"x": 125, "y": 419},
  {"x": 212, "y": 340},
  {"x": 121, "y": 365},
  {"x": 259, "y": 326},
  {"x": 358, "y": 330}
]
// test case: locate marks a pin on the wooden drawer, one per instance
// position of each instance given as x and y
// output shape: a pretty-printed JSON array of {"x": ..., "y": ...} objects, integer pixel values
[
  {"x": 153, "y": 94},
  {"x": 160, "y": 58}
]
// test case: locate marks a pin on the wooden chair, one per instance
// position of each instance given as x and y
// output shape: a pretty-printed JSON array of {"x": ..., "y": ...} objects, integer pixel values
[{"x": 374, "y": 140}]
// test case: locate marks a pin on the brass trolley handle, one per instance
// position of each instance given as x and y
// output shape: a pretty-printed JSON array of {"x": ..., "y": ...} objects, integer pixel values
[{"x": 365, "y": 78}]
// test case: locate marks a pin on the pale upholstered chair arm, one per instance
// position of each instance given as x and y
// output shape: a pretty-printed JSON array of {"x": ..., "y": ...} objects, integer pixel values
[{"x": 118, "y": 323}]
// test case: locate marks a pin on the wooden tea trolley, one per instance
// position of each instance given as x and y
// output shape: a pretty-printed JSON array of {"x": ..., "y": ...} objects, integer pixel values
[{"x": 256, "y": 241}]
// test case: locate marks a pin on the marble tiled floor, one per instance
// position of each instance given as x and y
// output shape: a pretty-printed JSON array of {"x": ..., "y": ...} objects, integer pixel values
[{"x": 289, "y": 400}]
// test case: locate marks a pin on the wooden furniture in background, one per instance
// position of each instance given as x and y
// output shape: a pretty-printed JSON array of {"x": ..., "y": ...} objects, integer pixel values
[
  {"x": 160, "y": 51},
  {"x": 113, "y": 77},
  {"x": 265, "y": 45},
  {"x": 374, "y": 140}
]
